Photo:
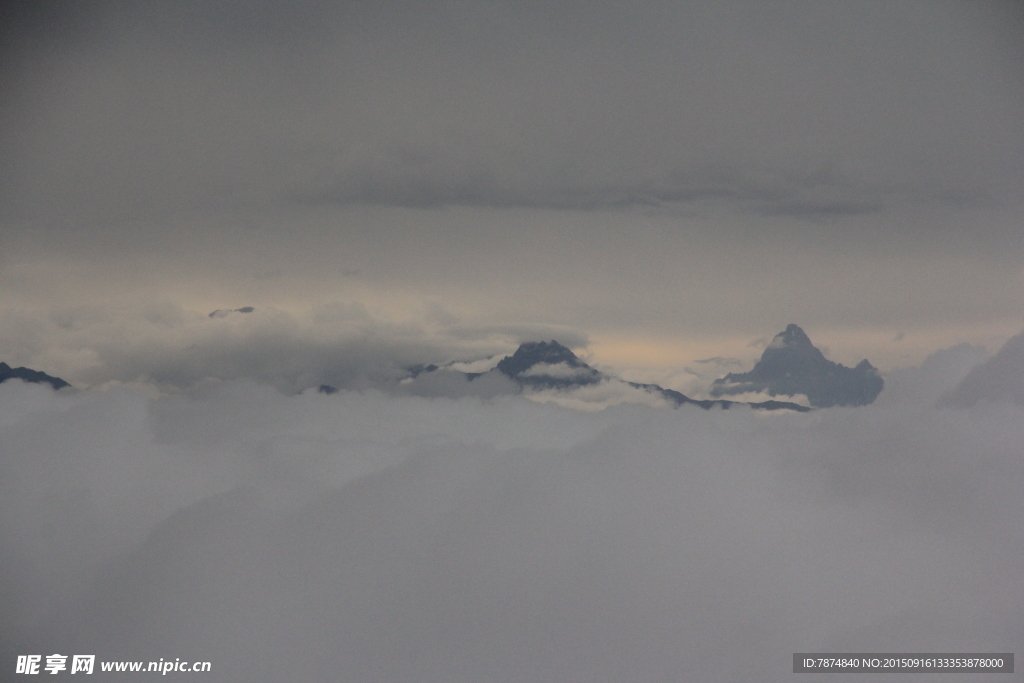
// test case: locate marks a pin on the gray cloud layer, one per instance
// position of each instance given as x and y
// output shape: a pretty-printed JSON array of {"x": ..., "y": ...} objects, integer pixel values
[
  {"x": 365, "y": 537},
  {"x": 794, "y": 110}
]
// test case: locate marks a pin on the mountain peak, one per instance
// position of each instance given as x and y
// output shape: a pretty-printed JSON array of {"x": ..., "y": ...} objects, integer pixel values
[
  {"x": 792, "y": 365},
  {"x": 531, "y": 353},
  {"x": 791, "y": 336},
  {"x": 791, "y": 347},
  {"x": 545, "y": 366}
]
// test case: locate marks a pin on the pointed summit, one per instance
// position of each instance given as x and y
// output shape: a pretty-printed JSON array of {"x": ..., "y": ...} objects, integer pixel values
[
  {"x": 547, "y": 364},
  {"x": 791, "y": 336},
  {"x": 791, "y": 349},
  {"x": 530, "y": 353},
  {"x": 792, "y": 365}
]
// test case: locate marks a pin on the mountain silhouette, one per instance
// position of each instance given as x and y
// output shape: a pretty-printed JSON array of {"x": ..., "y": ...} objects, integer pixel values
[
  {"x": 792, "y": 365},
  {"x": 549, "y": 365},
  {"x": 28, "y": 375}
]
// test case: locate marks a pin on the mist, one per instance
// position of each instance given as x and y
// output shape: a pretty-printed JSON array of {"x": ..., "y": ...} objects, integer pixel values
[{"x": 366, "y": 536}]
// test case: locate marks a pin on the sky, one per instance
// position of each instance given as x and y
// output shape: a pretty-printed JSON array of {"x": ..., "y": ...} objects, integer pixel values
[{"x": 651, "y": 183}]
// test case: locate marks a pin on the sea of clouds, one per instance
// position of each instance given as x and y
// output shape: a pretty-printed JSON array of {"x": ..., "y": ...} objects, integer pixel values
[{"x": 366, "y": 536}]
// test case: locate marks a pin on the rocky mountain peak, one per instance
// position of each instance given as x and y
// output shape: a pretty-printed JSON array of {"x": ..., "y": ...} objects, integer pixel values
[
  {"x": 530, "y": 354},
  {"x": 792, "y": 365},
  {"x": 791, "y": 337}
]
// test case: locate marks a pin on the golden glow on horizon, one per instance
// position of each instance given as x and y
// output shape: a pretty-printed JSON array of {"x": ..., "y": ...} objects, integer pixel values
[
  {"x": 885, "y": 347},
  {"x": 658, "y": 353}
]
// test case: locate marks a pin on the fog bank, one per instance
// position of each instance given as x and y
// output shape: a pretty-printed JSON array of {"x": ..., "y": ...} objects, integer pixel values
[
  {"x": 365, "y": 537},
  {"x": 360, "y": 536}
]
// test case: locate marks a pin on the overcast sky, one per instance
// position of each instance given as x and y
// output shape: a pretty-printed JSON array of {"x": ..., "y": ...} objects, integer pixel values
[{"x": 653, "y": 183}]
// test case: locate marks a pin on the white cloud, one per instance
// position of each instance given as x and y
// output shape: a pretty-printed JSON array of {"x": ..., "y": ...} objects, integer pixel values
[
  {"x": 598, "y": 396},
  {"x": 482, "y": 365},
  {"x": 557, "y": 371},
  {"x": 360, "y": 536},
  {"x": 762, "y": 396},
  {"x": 172, "y": 348},
  {"x": 453, "y": 384}
]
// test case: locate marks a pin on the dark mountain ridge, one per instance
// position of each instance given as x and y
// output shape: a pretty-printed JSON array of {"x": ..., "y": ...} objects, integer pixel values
[
  {"x": 29, "y": 375},
  {"x": 549, "y": 365},
  {"x": 536, "y": 364},
  {"x": 792, "y": 365}
]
